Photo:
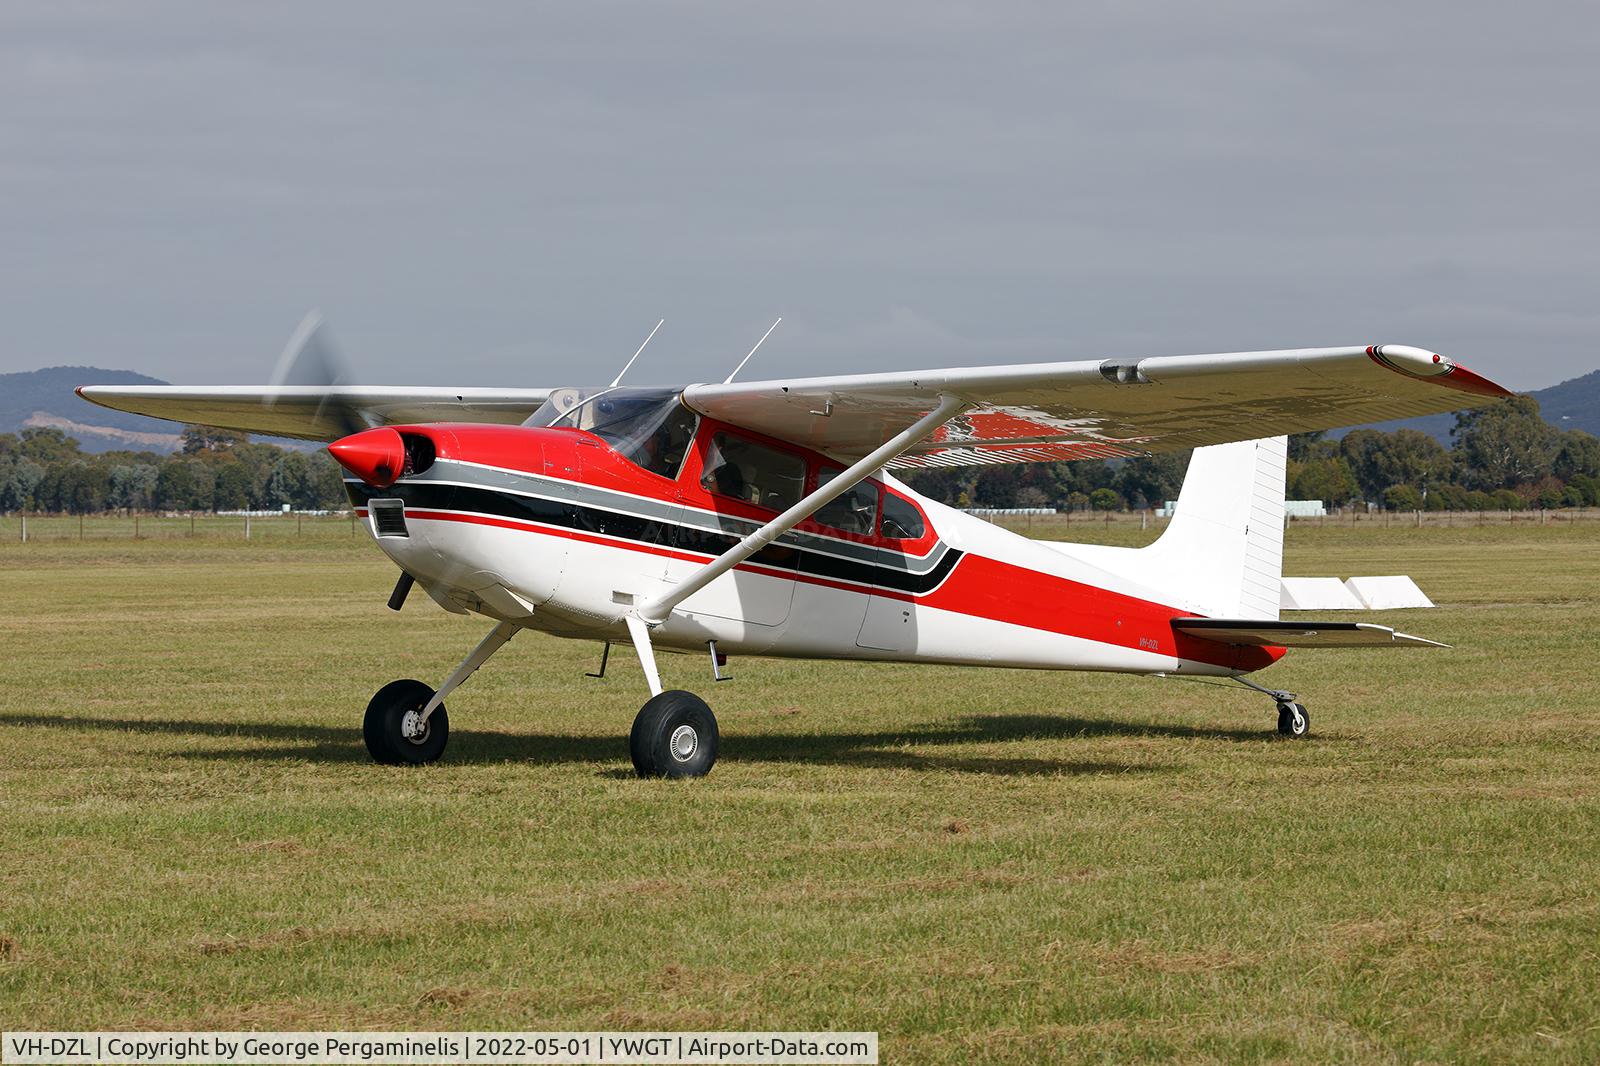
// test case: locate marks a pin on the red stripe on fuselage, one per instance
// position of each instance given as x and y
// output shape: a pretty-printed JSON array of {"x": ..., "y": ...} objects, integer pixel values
[{"x": 980, "y": 587}]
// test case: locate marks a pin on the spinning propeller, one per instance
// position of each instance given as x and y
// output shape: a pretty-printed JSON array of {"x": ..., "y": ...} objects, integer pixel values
[{"x": 312, "y": 364}]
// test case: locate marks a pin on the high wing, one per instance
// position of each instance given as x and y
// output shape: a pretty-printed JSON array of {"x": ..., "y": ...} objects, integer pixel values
[
  {"x": 315, "y": 412},
  {"x": 1100, "y": 409}
]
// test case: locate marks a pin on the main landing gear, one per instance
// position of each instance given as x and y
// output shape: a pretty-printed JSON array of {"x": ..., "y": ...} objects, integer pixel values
[
  {"x": 674, "y": 734},
  {"x": 1294, "y": 721}
]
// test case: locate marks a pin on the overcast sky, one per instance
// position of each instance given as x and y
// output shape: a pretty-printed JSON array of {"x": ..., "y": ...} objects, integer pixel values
[{"x": 513, "y": 194}]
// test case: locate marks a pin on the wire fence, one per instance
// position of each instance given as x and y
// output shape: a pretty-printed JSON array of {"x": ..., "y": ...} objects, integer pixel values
[{"x": 42, "y": 528}]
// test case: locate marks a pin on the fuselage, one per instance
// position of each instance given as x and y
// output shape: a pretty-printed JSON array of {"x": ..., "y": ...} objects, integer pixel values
[{"x": 557, "y": 529}]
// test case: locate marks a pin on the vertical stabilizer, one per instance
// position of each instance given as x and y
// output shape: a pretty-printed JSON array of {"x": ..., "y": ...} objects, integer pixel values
[
  {"x": 1224, "y": 547},
  {"x": 1222, "y": 554}
]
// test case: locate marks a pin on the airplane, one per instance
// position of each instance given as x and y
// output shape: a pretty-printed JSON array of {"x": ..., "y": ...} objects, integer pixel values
[{"x": 765, "y": 518}]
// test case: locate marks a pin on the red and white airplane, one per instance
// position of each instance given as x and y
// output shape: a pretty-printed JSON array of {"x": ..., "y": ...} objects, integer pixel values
[{"x": 762, "y": 518}]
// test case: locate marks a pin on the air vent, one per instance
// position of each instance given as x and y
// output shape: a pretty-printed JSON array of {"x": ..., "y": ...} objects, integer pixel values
[
  {"x": 389, "y": 518},
  {"x": 420, "y": 453}
]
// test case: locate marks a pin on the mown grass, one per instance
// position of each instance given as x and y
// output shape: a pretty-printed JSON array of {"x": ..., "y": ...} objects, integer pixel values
[{"x": 981, "y": 865}]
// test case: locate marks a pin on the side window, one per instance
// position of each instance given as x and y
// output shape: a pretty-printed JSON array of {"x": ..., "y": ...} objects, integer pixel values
[
  {"x": 855, "y": 511},
  {"x": 901, "y": 521},
  {"x": 754, "y": 473}
]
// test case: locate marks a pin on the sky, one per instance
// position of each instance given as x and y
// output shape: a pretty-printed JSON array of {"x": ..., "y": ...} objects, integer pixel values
[{"x": 513, "y": 194}]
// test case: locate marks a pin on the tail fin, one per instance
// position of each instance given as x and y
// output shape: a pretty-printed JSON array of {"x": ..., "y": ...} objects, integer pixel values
[
  {"x": 1222, "y": 554},
  {"x": 1226, "y": 536}
]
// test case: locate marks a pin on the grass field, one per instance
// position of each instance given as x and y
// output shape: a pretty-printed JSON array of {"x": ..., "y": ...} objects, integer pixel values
[{"x": 981, "y": 865}]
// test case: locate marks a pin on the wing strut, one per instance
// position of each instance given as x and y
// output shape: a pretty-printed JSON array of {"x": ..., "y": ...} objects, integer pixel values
[{"x": 656, "y": 610}]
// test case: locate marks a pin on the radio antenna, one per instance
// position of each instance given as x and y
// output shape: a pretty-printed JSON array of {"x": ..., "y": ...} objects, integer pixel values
[
  {"x": 746, "y": 359},
  {"x": 618, "y": 379}
]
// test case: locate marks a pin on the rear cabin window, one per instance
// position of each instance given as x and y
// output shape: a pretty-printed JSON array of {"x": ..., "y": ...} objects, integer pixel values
[
  {"x": 855, "y": 511},
  {"x": 754, "y": 473},
  {"x": 901, "y": 521}
]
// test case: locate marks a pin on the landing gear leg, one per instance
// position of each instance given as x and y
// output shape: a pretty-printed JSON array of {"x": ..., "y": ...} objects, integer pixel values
[
  {"x": 675, "y": 733},
  {"x": 406, "y": 721},
  {"x": 1294, "y": 721}
]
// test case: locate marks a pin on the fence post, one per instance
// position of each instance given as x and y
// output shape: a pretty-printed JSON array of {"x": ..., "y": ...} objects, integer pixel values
[
  {"x": 191, "y": 524},
  {"x": 297, "y": 517},
  {"x": 246, "y": 527},
  {"x": 80, "y": 525},
  {"x": 136, "y": 525},
  {"x": 24, "y": 529}
]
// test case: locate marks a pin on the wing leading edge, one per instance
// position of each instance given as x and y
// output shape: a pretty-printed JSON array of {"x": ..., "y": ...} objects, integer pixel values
[
  {"x": 1103, "y": 409},
  {"x": 315, "y": 412}
]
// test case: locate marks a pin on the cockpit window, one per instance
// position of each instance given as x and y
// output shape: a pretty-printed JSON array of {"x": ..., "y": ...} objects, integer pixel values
[
  {"x": 854, "y": 511},
  {"x": 649, "y": 427},
  {"x": 753, "y": 472},
  {"x": 901, "y": 521}
]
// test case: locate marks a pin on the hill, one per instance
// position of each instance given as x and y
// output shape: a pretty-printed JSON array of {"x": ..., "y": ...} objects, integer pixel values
[
  {"x": 1573, "y": 404},
  {"x": 45, "y": 398}
]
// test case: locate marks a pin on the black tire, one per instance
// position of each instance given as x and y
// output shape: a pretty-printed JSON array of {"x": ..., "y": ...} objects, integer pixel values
[
  {"x": 674, "y": 735},
  {"x": 383, "y": 726},
  {"x": 1286, "y": 720}
]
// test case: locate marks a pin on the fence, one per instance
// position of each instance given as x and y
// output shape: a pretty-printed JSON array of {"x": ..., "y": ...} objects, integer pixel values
[{"x": 33, "y": 528}]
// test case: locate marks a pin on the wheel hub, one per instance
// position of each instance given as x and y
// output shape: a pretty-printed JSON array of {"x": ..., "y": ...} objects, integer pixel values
[
  {"x": 413, "y": 726},
  {"x": 684, "y": 743}
]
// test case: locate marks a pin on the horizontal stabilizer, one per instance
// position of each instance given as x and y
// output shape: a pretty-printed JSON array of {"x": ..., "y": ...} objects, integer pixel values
[{"x": 1299, "y": 634}]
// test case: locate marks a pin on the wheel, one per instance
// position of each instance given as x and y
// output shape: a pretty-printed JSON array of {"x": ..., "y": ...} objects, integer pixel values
[
  {"x": 392, "y": 713},
  {"x": 674, "y": 735},
  {"x": 1293, "y": 720}
]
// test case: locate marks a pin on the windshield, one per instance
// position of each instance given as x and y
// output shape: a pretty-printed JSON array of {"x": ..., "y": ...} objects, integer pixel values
[{"x": 650, "y": 427}]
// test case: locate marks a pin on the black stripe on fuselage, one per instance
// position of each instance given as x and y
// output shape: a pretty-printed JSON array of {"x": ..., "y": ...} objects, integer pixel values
[{"x": 889, "y": 574}]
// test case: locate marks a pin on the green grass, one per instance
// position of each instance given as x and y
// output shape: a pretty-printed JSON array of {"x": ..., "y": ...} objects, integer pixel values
[{"x": 989, "y": 865}]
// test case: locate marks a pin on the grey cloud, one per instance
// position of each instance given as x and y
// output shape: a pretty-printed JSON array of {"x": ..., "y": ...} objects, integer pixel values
[{"x": 514, "y": 193}]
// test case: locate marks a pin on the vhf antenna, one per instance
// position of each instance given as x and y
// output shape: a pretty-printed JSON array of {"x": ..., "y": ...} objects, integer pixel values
[
  {"x": 746, "y": 359},
  {"x": 618, "y": 379}
]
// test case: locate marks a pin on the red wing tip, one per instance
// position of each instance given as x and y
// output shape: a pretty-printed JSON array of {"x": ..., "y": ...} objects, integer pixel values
[
  {"x": 1459, "y": 377},
  {"x": 79, "y": 391}
]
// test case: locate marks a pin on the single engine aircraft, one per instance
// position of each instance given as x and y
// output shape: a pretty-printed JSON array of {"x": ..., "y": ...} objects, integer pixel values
[{"x": 765, "y": 517}]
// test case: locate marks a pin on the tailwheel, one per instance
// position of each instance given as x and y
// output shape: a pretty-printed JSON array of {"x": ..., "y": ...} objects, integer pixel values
[
  {"x": 674, "y": 735},
  {"x": 1293, "y": 719},
  {"x": 394, "y": 729}
]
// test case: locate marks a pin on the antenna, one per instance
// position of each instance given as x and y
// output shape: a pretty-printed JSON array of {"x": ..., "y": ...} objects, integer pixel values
[
  {"x": 746, "y": 359},
  {"x": 618, "y": 379}
]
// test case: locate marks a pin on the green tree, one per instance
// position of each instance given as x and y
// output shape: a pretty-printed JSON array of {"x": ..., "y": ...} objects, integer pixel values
[
  {"x": 1328, "y": 480},
  {"x": 1151, "y": 480},
  {"x": 185, "y": 485},
  {"x": 235, "y": 487},
  {"x": 1577, "y": 455},
  {"x": 1404, "y": 457},
  {"x": 1104, "y": 499},
  {"x": 19, "y": 476},
  {"x": 1504, "y": 444},
  {"x": 199, "y": 440},
  {"x": 47, "y": 444},
  {"x": 1303, "y": 446},
  {"x": 1402, "y": 498},
  {"x": 133, "y": 486}
]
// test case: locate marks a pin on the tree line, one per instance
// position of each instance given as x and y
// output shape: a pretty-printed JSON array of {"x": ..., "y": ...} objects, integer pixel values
[
  {"x": 43, "y": 469},
  {"x": 1501, "y": 457}
]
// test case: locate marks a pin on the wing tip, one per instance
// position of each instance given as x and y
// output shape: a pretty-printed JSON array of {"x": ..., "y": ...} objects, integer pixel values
[{"x": 1431, "y": 366}]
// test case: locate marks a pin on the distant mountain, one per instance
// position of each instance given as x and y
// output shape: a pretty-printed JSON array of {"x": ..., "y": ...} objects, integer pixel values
[
  {"x": 1573, "y": 404},
  {"x": 46, "y": 398}
]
